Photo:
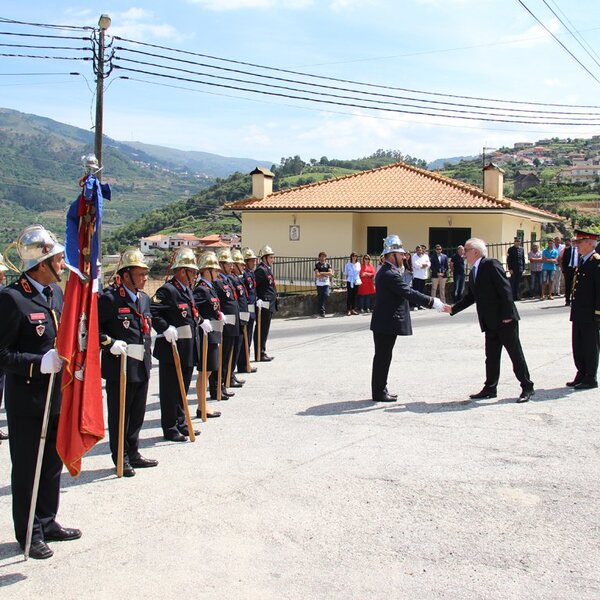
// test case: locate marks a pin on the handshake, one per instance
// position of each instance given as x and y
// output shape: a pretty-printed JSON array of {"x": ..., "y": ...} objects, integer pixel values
[{"x": 441, "y": 307}]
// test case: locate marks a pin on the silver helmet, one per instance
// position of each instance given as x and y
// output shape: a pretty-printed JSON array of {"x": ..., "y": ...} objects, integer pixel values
[
  {"x": 392, "y": 243},
  {"x": 35, "y": 245}
]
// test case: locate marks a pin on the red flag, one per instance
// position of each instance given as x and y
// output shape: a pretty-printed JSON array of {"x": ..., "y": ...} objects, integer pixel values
[{"x": 81, "y": 422}]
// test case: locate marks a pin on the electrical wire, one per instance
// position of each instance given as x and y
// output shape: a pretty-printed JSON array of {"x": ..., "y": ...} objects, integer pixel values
[
  {"x": 45, "y": 57},
  {"x": 39, "y": 35},
  {"x": 46, "y": 25}
]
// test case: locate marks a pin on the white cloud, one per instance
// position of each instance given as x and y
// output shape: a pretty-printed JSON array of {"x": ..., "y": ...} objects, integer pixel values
[
  {"x": 140, "y": 24},
  {"x": 535, "y": 35},
  {"x": 225, "y": 5}
]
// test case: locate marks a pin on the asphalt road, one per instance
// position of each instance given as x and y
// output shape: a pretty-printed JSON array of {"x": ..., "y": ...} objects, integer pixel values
[{"x": 305, "y": 489}]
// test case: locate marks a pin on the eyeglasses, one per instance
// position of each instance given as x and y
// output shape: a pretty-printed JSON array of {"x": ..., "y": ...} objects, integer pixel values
[{"x": 469, "y": 249}]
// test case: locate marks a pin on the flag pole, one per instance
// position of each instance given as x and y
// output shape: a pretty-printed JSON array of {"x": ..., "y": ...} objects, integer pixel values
[
  {"x": 38, "y": 466},
  {"x": 204, "y": 377},
  {"x": 122, "y": 400}
]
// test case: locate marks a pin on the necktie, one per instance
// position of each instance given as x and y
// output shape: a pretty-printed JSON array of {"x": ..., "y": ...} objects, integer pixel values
[
  {"x": 580, "y": 261},
  {"x": 574, "y": 257},
  {"x": 48, "y": 293},
  {"x": 474, "y": 273}
]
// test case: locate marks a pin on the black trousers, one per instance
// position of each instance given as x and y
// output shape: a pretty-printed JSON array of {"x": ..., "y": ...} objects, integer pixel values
[
  {"x": 24, "y": 442},
  {"x": 384, "y": 345},
  {"x": 569, "y": 273},
  {"x": 515, "y": 282},
  {"x": 172, "y": 415},
  {"x": 418, "y": 284},
  {"x": 135, "y": 410},
  {"x": 229, "y": 344},
  {"x": 265, "y": 325},
  {"x": 1, "y": 386},
  {"x": 586, "y": 348},
  {"x": 242, "y": 367},
  {"x": 507, "y": 336},
  {"x": 351, "y": 293}
]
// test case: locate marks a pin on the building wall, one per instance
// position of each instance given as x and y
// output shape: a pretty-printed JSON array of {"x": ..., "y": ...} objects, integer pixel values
[{"x": 340, "y": 233}]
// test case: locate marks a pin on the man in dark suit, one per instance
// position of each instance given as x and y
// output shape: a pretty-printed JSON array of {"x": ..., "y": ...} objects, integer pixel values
[
  {"x": 489, "y": 289},
  {"x": 515, "y": 261},
  {"x": 125, "y": 323},
  {"x": 585, "y": 313},
  {"x": 391, "y": 315},
  {"x": 266, "y": 294},
  {"x": 569, "y": 260},
  {"x": 177, "y": 321},
  {"x": 439, "y": 271},
  {"x": 30, "y": 310}
]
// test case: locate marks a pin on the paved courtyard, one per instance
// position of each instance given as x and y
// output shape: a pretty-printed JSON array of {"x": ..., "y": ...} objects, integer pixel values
[{"x": 305, "y": 489}]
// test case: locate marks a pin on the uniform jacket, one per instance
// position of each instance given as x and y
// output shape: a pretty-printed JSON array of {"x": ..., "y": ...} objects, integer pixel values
[
  {"x": 566, "y": 257},
  {"x": 120, "y": 319},
  {"x": 515, "y": 259},
  {"x": 209, "y": 306},
  {"x": 492, "y": 294},
  {"x": 174, "y": 305},
  {"x": 266, "y": 289},
  {"x": 240, "y": 290},
  {"x": 392, "y": 297},
  {"x": 27, "y": 332},
  {"x": 585, "y": 297},
  {"x": 229, "y": 304},
  {"x": 250, "y": 283},
  {"x": 439, "y": 264}
]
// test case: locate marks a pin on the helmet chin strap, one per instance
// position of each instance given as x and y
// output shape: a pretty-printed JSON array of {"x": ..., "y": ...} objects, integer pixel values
[
  {"x": 56, "y": 275},
  {"x": 133, "y": 287}
]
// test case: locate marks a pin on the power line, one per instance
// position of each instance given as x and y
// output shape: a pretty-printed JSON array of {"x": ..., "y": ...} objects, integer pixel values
[
  {"x": 41, "y": 47},
  {"x": 42, "y": 36},
  {"x": 46, "y": 25},
  {"x": 559, "y": 42},
  {"x": 45, "y": 57}
]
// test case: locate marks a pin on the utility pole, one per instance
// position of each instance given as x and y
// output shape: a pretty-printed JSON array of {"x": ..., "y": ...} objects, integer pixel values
[{"x": 103, "y": 24}]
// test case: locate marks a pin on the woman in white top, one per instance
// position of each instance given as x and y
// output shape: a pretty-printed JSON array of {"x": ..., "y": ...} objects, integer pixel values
[{"x": 352, "y": 274}]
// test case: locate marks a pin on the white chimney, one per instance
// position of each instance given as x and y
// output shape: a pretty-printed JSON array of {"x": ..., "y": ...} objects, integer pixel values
[
  {"x": 493, "y": 181},
  {"x": 262, "y": 183}
]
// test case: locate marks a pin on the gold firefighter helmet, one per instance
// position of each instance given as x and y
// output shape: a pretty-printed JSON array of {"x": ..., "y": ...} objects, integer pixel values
[
  {"x": 208, "y": 260},
  {"x": 3, "y": 266},
  {"x": 266, "y": 250},
  {"x": 237, "y": 257},
  {"x": 248, "y": 253},
  {"x": 132, "y": 258},
  {"x": 36, "y": 244},
  {"x": 184, "y": 259},
  {"x": 224, "y": 255}
]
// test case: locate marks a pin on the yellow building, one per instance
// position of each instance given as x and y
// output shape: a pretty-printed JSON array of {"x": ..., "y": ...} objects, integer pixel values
[{"x": 355, "y": 212}]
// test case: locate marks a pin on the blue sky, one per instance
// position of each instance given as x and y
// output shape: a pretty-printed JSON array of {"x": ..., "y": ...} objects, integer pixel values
[{"x": 486, "y": 48}]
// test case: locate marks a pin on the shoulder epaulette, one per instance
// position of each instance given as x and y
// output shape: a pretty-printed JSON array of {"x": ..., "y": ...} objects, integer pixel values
[{"x": 595, "y": 256}]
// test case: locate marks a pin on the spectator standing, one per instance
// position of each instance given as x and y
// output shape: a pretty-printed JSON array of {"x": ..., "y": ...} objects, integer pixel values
[
  {"x": 439, "y": 271},
  {"x": 366, "y": 291},
  {"x": 559, "y": 247},
  {"x": 352, "y": 274},
  {"x": 535, "y": 270},
  {"x": 515, "y": 261},
  {"x": 457, "y": 266},
  {"x": 420, "y": 265},
  {"x": 323, "y": 275},
  {"x": 549, "y": 260},
  {"x": 568, "y": 261}
]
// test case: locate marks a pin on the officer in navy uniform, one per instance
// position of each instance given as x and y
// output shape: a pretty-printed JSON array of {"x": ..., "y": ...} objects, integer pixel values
[
  {"x": 237, "y": 278},
  {"x": 250, "y": 285},
  {"x": 585, "y": 313},
  {"x": 3, "y": 269},
  {"x": 229, "y": 306},
  {"x": 209, "y": 307},
  {"x": 30, "y": 310},
  {"x": 176, "y": 320},
  {"x": 125, "y": 323},
  {"x": 391, "y": 315},
  {"x": 266, "y": 291}
]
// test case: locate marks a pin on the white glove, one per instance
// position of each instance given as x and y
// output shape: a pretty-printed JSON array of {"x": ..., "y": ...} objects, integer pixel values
[
  {"x": 220, "y": 316},
  {"x": 51, "y": 362},
  {"x": 206, "y": 326},
  {"x": 171, "y": 334},
  {"x": 259, "y": 303},
  {"x": 119, "y": 347},
  {"x": 438, "y": 305}
]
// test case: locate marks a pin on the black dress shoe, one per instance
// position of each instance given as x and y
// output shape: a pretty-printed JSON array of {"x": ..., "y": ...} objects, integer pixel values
[
  {"x": 225, "y": 393},
  {"x": 236, "y": 384},
  {"x": 252, "y": 370},
  {"x": 186, "y": 432},
  {"x": 585, "y": 385},
  {"x": 40, "y": 550},
  {"x": 211, "y": 415},
  {"x": 62, "y": 534},
  {"x": 241, "y": 381},
  {"x": 175, "y": 437},
  {"x": 483, "y": 394},
  {"x": 3, "y": 435},
  {"x": 139, "y": 462},
  {"x": 574, "y": 382},
  {"x": 385, "y": 398},
  {"x": 525, "y": 396},
  {"x": 265, "y": 358},
  {"x": 128, "y": 471}
]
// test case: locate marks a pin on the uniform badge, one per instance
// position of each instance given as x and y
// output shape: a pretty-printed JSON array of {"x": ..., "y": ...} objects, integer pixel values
[
  {"x": 184, "y": 313},
  {"x": 126, "y": 323},
  {"x": 40, "y": 330},
  {"x": 25, "y": 285}
]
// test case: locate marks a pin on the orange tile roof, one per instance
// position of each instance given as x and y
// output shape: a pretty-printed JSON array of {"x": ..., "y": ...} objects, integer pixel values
[{"x": 393, "y": 187}]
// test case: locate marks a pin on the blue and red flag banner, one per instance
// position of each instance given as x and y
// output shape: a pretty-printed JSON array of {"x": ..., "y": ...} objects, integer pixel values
[{"x": 81, "y": 422}]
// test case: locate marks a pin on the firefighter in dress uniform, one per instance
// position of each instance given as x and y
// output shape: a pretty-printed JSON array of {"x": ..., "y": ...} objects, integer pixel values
[
  {"x": 3, "y": 269},
  {"x": 237, "y": 279},
  {"x": 209, "y": 307},
  {"x": 176, "y": 319},
  {"x": 30, "y": 310},
  {"x": 250, "y": 285},
  {"x": 585, "y": 312},
  {"x": 266, "y": 292},
  {"x": 125, "y": 323}
]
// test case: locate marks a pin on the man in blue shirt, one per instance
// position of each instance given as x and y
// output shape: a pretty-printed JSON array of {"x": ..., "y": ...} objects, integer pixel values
[{"x": 549, "y": 260}]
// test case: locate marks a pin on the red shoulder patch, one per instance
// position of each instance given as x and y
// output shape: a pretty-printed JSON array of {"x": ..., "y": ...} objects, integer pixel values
[
  {"x": 124, "y": 310},
  {"x": 37, "y": 316}
]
